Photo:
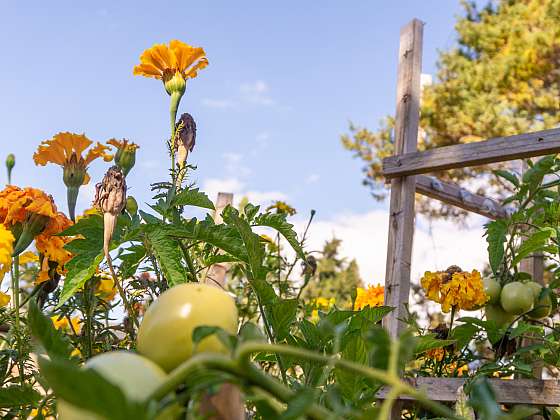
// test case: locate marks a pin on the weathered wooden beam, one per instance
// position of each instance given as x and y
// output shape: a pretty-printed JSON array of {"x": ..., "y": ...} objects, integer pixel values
[
  {"x": 518, "y": 391},
  {"x": 401, "y": 208},
  {"x": 453, "y": 194},
  {"x": 499, "y": 149}
]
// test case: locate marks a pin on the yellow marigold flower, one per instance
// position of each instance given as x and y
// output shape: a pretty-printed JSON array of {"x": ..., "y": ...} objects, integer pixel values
[
  {"x": 4, "y": 299},
  {"x": 431, "y": 283},
  {"x": 324, "y": 303},
  {"x": 372, "y": 296},
  {"x": 28, "y": 257},
  {"x": 62, "y": 323},
  {"x": 51, "y": 246},
  {"x": 464, "y": 291},
  {"x": 106, "y": 289},
  {"x": 455, "y": 288},
  {"x": 282, "y": 207},
  {"x": 66, "y": 149},
  {"x": 6, "y": 249},
  {"x": 164, "y": 62}
]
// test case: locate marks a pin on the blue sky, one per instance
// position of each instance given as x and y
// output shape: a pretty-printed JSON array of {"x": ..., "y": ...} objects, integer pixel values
[{"x": 284, "y": 80}]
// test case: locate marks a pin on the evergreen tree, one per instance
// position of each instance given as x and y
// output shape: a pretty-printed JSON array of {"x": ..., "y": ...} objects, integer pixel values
[
  {"x": 501, "y": 78},
  {"x": 335, "y": 277}
]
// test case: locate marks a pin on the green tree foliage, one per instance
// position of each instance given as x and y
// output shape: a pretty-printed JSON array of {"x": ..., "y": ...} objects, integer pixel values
[
  {"x": 501, "y": 78},
  {"x": 335, "y": 277}
]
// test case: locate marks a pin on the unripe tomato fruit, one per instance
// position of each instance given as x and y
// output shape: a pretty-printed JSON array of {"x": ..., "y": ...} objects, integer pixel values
[
  {"x": 542, "y": 304},
  {"x": 492, "y": 289},
  {"x": 498, "y": 315},
  {"x": 165, "y": 334},
  {"x": 137, "y": 377},
  {"x": 517, "y": 298}
]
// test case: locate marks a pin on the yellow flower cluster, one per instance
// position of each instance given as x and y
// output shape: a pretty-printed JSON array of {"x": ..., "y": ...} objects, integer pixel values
[
  {"x": 4, "y": 299},
  {"x": 372, "y": 296},
  {"x": 74, "y": 325},
  {"x": 459, "y": 290},
  {"x": 6, "y": 249},
  {"x": 105, "y": 288},
  {"x": 323, "y": 304},
  {"x": 282, "y": 208}
]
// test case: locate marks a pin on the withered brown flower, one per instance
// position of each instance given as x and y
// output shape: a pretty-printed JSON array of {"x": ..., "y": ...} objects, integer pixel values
[
  {"x": 185, "y": 137},
  {"x": 110, "y": 198}
]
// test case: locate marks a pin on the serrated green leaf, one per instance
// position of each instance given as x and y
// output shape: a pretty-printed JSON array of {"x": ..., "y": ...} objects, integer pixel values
[
  {"x": 508, "y": 176},
  {"x": 87, "y": 389},
  {"x": 193, "y": 197},
  {"x": 298, "y": 405},
  {"x": 55, "y": 342},
  {"x": 429, "y": 342},
  {"x": 534, "y": 243},
  {"x": 278, "y": 222},
  {"x": 18, "y": 396},
  {"x": 168, "y": 253},
  {"x": 496, "y": 232},
  {"x": 283, "y": 314}
]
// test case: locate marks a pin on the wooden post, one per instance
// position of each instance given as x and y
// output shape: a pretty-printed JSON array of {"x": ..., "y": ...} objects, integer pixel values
[
  {"x": 227, "y": 403},
  {"x": 401, "y": 210},
  {"x": 217, "y": 273}
]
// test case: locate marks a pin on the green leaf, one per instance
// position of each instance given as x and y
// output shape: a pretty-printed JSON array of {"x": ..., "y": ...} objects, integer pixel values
[
  {"x": 203, "y": 331},
  {"x": 168, "y": 254},
  {"x": 55, "y": 342},
  {"x": 298, "y": 405},
  {"x": 463, "y": 334},
  {"x": 87, "y": 389},
  {"x": 311, "y": 334},
  {"x": 278, "y": 221},
  {"x": 130, "y": 261},
  {"x": 193, "y": 198},
  {"x": 375, "y": 314},
  {"x": 496, "y": 232},
  {"x": 534, "y": 243},
  {"x": 429, "y": 342},
  {"x": 18, "y": 396},
  {"x": 283, "y": 314},
  {"x": 508, "y": 176},
  {"x": 88, "y": 254},
  {"x": 250, "y": 331}
]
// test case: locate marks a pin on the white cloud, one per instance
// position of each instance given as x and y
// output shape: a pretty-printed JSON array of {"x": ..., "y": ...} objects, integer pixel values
[
  {"x": 364, "y": 237},
  {"x": 312, "y": 178},
  {"x": 234, "y": 166},
  {"x": 249, "y": 93},
  {"x": 256, "y": 92},
  {"x": 212, "y": 186},
  {"x": 219, "y": 103}
]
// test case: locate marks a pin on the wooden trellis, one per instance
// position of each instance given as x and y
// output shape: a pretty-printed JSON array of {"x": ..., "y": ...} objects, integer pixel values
[{"x": 405, "y": 172}]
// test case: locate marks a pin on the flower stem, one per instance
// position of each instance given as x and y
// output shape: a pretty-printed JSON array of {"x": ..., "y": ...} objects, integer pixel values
[
  {"x": 15, "y": 292},
  {"x": 173, "y": 107},
  {"x": 72, "y": 197}
]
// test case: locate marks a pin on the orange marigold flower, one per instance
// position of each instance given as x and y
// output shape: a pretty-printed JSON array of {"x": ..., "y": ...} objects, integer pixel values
[
  {"x": 75, "y": 323},
  {"x": 52, "y": 246},
  {"x": 66, "y": 149},
  {"x": 163, "y": 62},
  {"x": 105, "y": 288},
  {"x": 436, "y": 354},
  {"x": 17, "y": 204},
  {"x": 372, "y": 296}
]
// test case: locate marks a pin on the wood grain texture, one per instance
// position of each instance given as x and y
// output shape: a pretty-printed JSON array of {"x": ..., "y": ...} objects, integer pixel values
[
  {"x": 500, "y": 149},
  {"x": 453, "y": 194},
  {"x": 401, "y": 211},
  {"x": 518, "y": 391}
]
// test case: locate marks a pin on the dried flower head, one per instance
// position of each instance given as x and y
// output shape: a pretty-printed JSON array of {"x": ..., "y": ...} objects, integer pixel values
[
  {"x": 110, "y": 198},
  {"x": 185, "y": 137}
]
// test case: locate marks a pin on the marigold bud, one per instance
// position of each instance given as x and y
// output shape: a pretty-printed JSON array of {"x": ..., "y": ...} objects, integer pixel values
[
  {"x": 10, "y": 163},
  {"x": 125, "y": 158},
  {"x": 131, "y": 205},
  {"x": 174, "y": 82}
]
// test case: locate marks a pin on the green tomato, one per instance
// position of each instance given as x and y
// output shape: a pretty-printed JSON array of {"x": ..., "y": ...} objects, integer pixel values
[
  {"x": 498, "y": 315},
  {"x": 165, "y": 334},
  {"x": 137, "y": 377},
  {"x": 492, "y": 289},
  {"x": 517, "y": 298},
  {"x": 542, "y": 303}
]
